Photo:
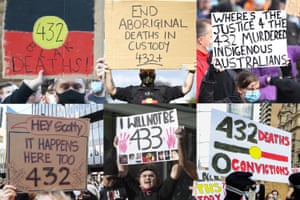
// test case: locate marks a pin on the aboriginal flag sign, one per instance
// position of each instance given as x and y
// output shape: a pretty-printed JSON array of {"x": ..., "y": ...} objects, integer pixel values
[{"x": 56, "y": 36}]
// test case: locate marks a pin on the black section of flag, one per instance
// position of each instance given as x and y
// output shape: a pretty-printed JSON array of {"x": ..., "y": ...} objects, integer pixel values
[{"x": 21, "y": 14}]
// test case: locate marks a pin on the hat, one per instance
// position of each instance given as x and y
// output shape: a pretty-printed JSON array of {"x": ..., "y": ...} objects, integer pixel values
[
  {"x": 240, "y": 180},
  {"x": 148, "y": 167},
  {"x": 295, "y": 179}
]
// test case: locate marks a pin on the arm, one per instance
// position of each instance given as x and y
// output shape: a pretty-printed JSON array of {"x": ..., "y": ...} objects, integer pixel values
[
  {"x": 188, "y": 83},
  {"x": 123, "y": 169},
  {"x": 28, "y": 87},
  {"x": 109, "y": 83},
  {"x": 189, "y": 167}
]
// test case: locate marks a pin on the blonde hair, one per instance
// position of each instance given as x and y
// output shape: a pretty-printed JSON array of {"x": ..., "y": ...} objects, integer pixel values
[{"x": 54, "y": 195}]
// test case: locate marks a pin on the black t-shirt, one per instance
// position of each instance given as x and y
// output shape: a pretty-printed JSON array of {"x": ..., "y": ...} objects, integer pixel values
[
  {"x": 163, "y": 192},
  {"x": 143, "y": 95}
]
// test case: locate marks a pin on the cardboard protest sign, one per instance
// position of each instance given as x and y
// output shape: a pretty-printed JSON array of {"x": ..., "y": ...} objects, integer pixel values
[
  {"x": 212, "y": 190},
  {"x": 149, "y": 34},
  {"x": 240, "y": 144},
  {"x": 55, "y": 36},
  {"x": 47, "y": 153},
  {"x": 147, "y": 137},
  {"x": 249, "y": 39},
  {"x": 292, "y": 7}
]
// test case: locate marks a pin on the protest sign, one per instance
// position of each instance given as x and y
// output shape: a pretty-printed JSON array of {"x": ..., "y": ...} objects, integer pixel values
[
  {"x": 295, "y": 170},
  {"x": 249, "y": 39},
  {"x": 47, "y": 153},
  {"x": 209, "y": 190},
  {"x": 241, "y": 144},
  {"x": 149, "y": 34},
  {"x": 147, "y": 137},
  {"x": 292, "y": 7},
  {"x": 55, "y": 36}
]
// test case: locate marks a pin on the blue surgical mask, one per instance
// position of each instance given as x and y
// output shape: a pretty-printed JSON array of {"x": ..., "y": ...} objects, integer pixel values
[
  {"x": 96, "y": 86},
  {"x": 275, "y": 196},
  {"x": 260, "y": 2},
  {"x": 252, "y": 96},
  {"x": 209, "y": 48}
]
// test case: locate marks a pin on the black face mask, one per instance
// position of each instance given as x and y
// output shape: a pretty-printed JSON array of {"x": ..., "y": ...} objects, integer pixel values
[
  {"x": 147, "y": 79},
  {"x": 70, "y": 96}
]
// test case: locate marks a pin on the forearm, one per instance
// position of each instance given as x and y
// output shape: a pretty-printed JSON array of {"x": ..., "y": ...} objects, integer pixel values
[
  {"x": 109, "y": 83},
  {"x": 123, "y": 170},
  {"x": 175, "y": 171},
  {"x": 188, "y": 83}
]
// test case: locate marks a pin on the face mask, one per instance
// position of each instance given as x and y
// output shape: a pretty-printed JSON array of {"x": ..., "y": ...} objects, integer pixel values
[
  {"x": 51, "y": 99},
  {"x": 147, "y": 79},
  {"x": 260, "y": 2},
  {"x": 96, "y": 86},
  {"x": 209, "y": 48},
  {"x": 70, "y": 96},
  {"x": 275, "y": 196},
  {"x": 252, "y": 96}
]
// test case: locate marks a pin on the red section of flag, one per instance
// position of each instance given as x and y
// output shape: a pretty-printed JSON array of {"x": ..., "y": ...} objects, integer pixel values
[
  {"x": 274, "y": 156},
  {"x": 23, "y": 56}
]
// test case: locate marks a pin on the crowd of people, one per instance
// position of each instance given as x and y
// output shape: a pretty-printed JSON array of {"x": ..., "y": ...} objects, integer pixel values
[{"x": 278, "y": 84}]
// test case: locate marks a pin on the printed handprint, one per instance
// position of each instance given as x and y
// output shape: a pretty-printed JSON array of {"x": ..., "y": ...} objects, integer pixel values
[
  {"x": 171, "y": 138},
  {"x": 123, "y": 138}
]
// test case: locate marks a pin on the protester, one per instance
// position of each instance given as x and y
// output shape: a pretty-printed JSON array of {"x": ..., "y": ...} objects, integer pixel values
[
  {"x": 237, "y": 183},
  {"x": 54, "y": 195},
  {"x": 203, "y": 48},
  {"x": 149, "y": 185},
  {"x": 294, "y": 180},
  {"x": 287, "y": 89},
  {"x": 275, "y": 194},
  {"x": 27, "y": 88},
  {"x": 113, "y": 187},
  {"x": 48, "y": 92},
  {"x": 247, "y": 86},
  {"x": 6, "y": 89},
  {"x": 269, "y": 196},
  {"x": 147, "y": 91},
  {"x": 97, "y": 93}
]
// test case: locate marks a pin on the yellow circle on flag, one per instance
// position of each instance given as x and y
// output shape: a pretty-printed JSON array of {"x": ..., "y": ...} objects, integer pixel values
[
  {"x": 255, "y": 152},
  {"x": 49, "y": 32}
]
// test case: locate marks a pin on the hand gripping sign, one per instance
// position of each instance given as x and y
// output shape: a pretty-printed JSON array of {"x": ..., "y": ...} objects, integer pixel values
[
  {"x": 46, "y": 153},
  {"x": 148, "y": 137}
]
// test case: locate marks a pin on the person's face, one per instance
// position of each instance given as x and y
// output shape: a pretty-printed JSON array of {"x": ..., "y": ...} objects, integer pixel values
[
  {"x": 251, "y": 87},
  {"x": 64, "y": 85},
  {"x": 50, "y": 95},
  {"x": 148, "y": 179},
  {"x": 206, "y": 40},
  {"x": 147, "y": 76},
  {"x": 270, "y": 196}
]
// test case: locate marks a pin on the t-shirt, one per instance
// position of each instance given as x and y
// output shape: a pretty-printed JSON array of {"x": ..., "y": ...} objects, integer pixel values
[{"x": 144, "y": 95}]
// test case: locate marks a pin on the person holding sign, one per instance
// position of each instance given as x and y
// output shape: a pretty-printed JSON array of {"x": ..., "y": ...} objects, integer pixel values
[
  {"x": 147, "y": 91},
  {"x": 149, "y": 186}
]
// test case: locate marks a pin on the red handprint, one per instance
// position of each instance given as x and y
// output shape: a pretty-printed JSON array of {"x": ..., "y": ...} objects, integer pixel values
[
  {"x": 123, "y": 138},
  {"x": 171, "y": 138}
]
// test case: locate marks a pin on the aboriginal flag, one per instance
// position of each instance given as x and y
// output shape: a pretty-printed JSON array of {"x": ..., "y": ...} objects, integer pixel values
[{"x": 56, "y": 36}]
